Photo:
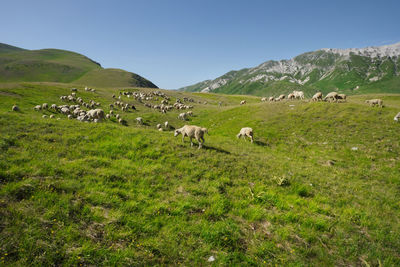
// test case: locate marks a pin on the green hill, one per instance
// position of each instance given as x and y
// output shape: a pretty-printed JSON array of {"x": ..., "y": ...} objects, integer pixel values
[
  {"x": 351, "y": 71},
  {"x": 53, "y": 65},
  {"x": 320, "y": 185}
]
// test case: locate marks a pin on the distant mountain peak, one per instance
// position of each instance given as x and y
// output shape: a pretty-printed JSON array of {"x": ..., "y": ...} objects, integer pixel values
[{"x": 324, "y": 69}]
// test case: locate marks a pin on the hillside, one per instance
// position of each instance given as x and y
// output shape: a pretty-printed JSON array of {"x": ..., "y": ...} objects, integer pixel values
[
  {"x": 352, "y": 71},
  {"x": 318, "y": 187},
  {"x": 54, "y": 65}
]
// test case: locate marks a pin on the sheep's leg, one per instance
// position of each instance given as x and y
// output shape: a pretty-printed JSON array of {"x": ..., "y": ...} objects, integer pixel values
[
  {"x": 183, "y": 138},
  {"x": 191, "y": 142},
  {"x": 200, "y": 143}
]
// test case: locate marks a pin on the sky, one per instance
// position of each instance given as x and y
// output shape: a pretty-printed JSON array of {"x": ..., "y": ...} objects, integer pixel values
[{"x": 175, "y": 43}]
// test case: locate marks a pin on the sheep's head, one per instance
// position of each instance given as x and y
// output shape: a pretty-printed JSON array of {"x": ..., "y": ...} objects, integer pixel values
[
  {"x": 366, "y": 101},
  {"x": 177, "y": 132}
]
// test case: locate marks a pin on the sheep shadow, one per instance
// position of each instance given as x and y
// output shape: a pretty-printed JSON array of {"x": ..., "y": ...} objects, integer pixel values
[
  {"x": 216, "y": 149},
  {"x": 261, "y": 143}
]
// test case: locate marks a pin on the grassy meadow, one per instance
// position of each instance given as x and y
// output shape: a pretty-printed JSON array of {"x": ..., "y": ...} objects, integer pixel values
[{"x": 320, "y": 186}]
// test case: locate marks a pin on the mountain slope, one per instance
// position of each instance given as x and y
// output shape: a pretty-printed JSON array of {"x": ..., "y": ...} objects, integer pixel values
[
  {"x": 347, "y": 70},
  {"x": 54, "y": 65}
]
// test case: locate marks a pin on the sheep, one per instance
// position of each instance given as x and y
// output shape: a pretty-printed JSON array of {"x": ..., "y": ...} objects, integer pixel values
[
  {"x": 281, "y": 97},
  {"x": 166, "y": 125},
  {"x": 192, "y": 131},
  {"x": 189, "y": 113},
  {"x": 70, "y": 117},
  {"x": 247, "y": 131},
  {"x": 397, "y": 117},
  {"x": 159, "y": 126},
  {"x": 52, "y": 116},
  {"x": 96, "y": 114},
  {"x": 111, "y": 112},
  {"x": 15, "y": 108},
  {"x": 53, "y": 106},
  {"x": 331, "y": 96},
  {"x": 291, "y": 96},
  {"x": 271, "y": 99},
  {"x": 373, "y": 102},
  {"x": 139, "y": 120},
  {"x": 73, "y": 94},
  {"x": 342, "y": 97},
  {"x": 243, "y": 102},
  {"x": 37, "y": 107},
  {"x": 317, "y": 96},
  {"x": 107, "y": 116},
  {"x": 160, "y": 129},
  {"x": 65, "y": 110},
  {"x": 44, "y": 116},
  {"x": 117, "y": 116},
  {"x": 74, "y": 90},
  {"x": 263, "y": 99},
  {"x": 182, "y": 116},
  {"x": 298, "y": 94}
]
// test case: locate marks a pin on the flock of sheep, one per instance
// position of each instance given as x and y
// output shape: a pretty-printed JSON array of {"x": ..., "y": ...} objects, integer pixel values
[{"x": 96, "y": 114}]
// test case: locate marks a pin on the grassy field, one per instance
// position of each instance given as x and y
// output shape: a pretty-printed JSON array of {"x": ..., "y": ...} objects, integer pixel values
[{"x": 320, "y": 186}]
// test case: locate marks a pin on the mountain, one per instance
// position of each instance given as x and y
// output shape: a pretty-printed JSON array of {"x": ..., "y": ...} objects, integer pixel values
[
  {"x": 347, "y": 70},
  {"x": 54, "y": 65}
]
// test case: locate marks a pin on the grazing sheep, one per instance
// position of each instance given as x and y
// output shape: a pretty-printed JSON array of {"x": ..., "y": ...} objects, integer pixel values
[
  {"x": 166, "y": 125},
  {"x": 291, "y": 96},
  {"x": 243, "y": 102},
  {"x": 342, "y": 97},
  {"x": 271, "y": 99},
  {"x": 45, "y": 106},
  {"x": 189, "y": 113},
  {"x": 74, "y": 90},
  {"x": 317, "y": 97},
  {"x": 281, "y": 97},
  {"x": 111, "y": 112},
  {"x": 96, "y": 114},
  {"x": 160, "y": 129},
  {"x": 247, "y": 131},
  {"x": 53, "y": 106},
  {"x": 44, "y": 116},
  {"x": 263, "y": 99},
  {"x": 192, "y": 131},
  {"x": 397, "y": 117},
  {"x": 159, "y": 126},
  {"x": 139, "y": 120},
  {"x": 52, "y": 116},
  {"x": 298, "y": 94},
  {"x": 15, "y": 108},
  {"x": 182, "y": 116},
  {"x": 374, "y": 102},
  {"x": 70, "y": 117},
  {"x": 65, "y": 110},
  {"x": 117, "y": 116},
  {"x": 108, "y": 116},
  {"x": 37, "y": 107},
  {"x": 332, "y": 96}
]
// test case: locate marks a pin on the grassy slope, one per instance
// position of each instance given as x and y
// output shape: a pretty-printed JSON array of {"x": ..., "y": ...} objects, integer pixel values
[
  {"x": 104, "y": 194},
  {"x": 54, "y": 65}
]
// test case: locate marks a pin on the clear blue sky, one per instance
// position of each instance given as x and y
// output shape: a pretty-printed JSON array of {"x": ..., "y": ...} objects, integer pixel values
[{"x": 175, "y": 43}]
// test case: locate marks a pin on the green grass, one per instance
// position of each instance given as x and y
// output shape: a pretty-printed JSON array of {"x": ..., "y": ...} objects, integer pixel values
[{"x": 76, "y": 193}]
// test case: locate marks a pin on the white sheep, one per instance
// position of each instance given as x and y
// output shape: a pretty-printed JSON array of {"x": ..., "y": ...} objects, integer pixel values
[
  {"x": 397, "y": 117},
  {"x": 107, "y": 116},
  {"x": 342, "y": 97},
  {"x": 298, "y": 94},
  {"x": 243, "y": 102},
  {"x": 45, "y": 106},
  {"x": 65, "y": 110},
  {"x": 317, "y": 96},
  {"x": 15, "y": 108},
  {"x": 263, "y": 99},
  {"x": 44, "y": 116},
  {"x": 192, "y": 131},
  {"x": 139, "y": 120},
  {"x": 247, "y": 131},
  {"x": 271, "y": 99},
  {"x": 37, "y": 107},
  {"x": 159, "y": 126},
  {"x": 291, "y": 96},
  {"x": 117, "y": 116},
  {"x": 374, "y": 102},
  {"x": 70, "y": 117},
  {"x": 52, "y": 116},
  {"x": 332, "y": 96},
  {"x": 182, "y": 116},
  {"x": 281, "y": 97},
  {"x": 97, "y": 113}
]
